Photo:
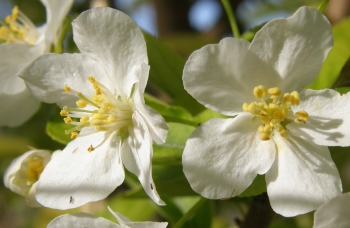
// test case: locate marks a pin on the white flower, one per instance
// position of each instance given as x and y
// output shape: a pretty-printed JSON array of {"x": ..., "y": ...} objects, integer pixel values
[
  {"x": 278, "y": 132},
  {"x": 20, "y": 43},
  {"x": 86, "y": 220},
  {"x": 106, "y": 81},
  {"x": 334, "y": 213},
  {"x": 23, "y": 173}
]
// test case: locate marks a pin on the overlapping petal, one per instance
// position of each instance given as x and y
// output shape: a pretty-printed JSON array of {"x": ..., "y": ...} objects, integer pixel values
[
  {"x": 77, "y": 176},
  {"x": 155, "y": 122},
  {"x": 302, "y": 177},
  {"x": 47, "y": 76},
  {"x": 328, "y": 123},
  {"x": 137, "y": 155},
  {"x": 115, "y": 41},
  {"x": 223, "y": 156},
  {"x": 126, "y": 222},
  {"x": 295, "y": 47},
  {"x": 81, "y": 220},
  {"x": 56, "y": 11},
  {"x": 334, "y": 213}
]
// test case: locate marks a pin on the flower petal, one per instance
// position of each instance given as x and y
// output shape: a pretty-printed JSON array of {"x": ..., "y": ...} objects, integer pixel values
[
  {"x": 295, "y": 47},
  {"x": 329, "y": 118},
  {"x": 334, "y": 213},
  {"x": 223, "y": 156},
  {"x": 75, "y": 176},
  {"x": 155, "y": 122},
  {"x": 115, "y": 41},
  {"x": 17, "y": 108},
  {"x": 81, "y": 219},
  {"x": 137, "y": 155},
  {"x": 17, "y": 57},
  {"x": 47, "y": 76},
  {"x": 302, "y": 177},
  {"x": 56, "y": 11},
  {"x": 125, "y": 221}
]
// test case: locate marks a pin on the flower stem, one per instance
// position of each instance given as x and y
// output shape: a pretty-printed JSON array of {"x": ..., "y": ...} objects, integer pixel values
[
  {"x": 260, "y": 213},
  {"x": 231, "y": 18},
  {"x": 323, "y": 6},
  {"x": 190, "y": 213}
]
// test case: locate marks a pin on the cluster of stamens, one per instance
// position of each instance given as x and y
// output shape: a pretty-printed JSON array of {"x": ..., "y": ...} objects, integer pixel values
[
  {"x": 17, "y": 28},
  {"x": 35, "y": 168},
  {"x": 274, "y": 113},
  {"x": 103, "y": 112}
]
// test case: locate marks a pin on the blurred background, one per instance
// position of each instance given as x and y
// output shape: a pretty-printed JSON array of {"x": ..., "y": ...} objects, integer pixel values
[{"x": 183, "y": 26}]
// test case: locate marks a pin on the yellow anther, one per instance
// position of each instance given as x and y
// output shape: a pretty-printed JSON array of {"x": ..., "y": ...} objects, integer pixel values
[
  {"x": 81, "y": 103},
  {"x": 285, "y": 112},
  {"x": 260, "y": 92},
  {"x": 84, "y": 119},
  {"x": 278, "y": 114},
  {"x": 265, "y": 119},
  {"x": 267, "y": 129},
  {"x": 34, "y": 163},
  {"x": 96, "y": 122},
  {"x": 294, "y": 98},
  {"x": 252, "y": 106},
  {"x": 64, "y": 113},
  {"x": 73, "y": 135},
  {"x": 31, "y": 174},
  {"x": 67, "y": 89},
  {"x": 96, "y": 85},
  {"x": 274, "y": 92},
  {"x": 98, "y": 91},
  {"x": 299, "y": 121},
  {"x": 67, "y": 120},
  {"x": 92, "y": 79},
  {"x": 98, "y": 98},
  {"x": 15, "y": 13},
  {"x": 245, "y": 107},
  {"x": 265, "y": 136},
  {"x": 272, "y": 106},
  {"x": 302, "y": 114},
  {"x": 111, "y": 118},
  {"x": 90, "y": 149}
]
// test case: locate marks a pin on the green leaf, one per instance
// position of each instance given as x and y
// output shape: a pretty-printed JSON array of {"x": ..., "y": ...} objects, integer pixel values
[
  {"x": 166, "y": 74},
  {"x": 55, "y": 128},
  {"x": 256, "y": 188},
  {"x": 343, "y": 90},
  {"x": 336, "y": 58},
  {"x": 170, "y": 113}
]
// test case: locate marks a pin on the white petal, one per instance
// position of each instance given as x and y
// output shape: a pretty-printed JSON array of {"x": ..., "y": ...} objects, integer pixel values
[
  {"x": 223, "y": 156},
  {"x": 125, "y": 221},
  {"x": 17, "y": 108},
  {"x": 155, "y": 122},
  {"x": 115, "y": 41},
  {"x": 75, "y": 176},
  {"x": 334, "y": 213},
  {"x": 81, "y": 220},
  {"x": 295, "y": 47},
  {"x": 329, "y": 118},
  {"x": 17, "y": 57},
  {"x": 137, "y": 155},
  {"x": 56, "y": 11},
  {"x": 302, "y": 177},
  {"x": 47, "y": 76}
]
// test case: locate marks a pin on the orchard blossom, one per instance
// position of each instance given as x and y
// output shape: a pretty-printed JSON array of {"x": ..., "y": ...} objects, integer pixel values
[
  {"x": 86, "y": 220},
  {"x": 277, "y": 131},
  {"x": 112, "y": 125},
  {"x": 23, "y": 173},
  {"x": 20, "y": 43},
  {"x": 334, "y": 213}
]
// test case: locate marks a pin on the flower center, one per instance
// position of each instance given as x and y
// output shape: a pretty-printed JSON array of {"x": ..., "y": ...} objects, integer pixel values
[
  {"x": 274, "y": 113},
  {"x": 35, "y": 168},
  {"x": 18, "y": 29},
  {"x": 103, "y": 112}
]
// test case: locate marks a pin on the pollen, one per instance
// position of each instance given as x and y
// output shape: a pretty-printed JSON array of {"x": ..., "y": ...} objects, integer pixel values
[
  {"x": 274, "y": 111},
  {"x": 98, "y": 111},
  {"x": 34, "y": 169},
  {"x": 17, "y": 28}
]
